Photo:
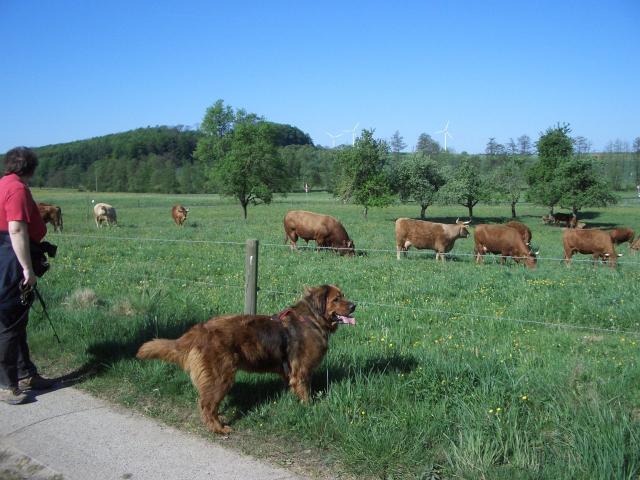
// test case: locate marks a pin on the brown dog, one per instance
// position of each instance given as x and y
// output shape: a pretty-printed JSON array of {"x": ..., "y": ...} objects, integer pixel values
[{"x": 291, "y": 343}]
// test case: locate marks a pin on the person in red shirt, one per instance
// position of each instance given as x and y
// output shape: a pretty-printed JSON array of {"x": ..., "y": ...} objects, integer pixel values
[{"x": 20, "y": 223}]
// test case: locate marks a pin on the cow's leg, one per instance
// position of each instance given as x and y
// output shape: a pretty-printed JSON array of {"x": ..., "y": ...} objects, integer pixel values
[
  {"x": 567, "y": 257},
  {"x": 399, "y": 249}
]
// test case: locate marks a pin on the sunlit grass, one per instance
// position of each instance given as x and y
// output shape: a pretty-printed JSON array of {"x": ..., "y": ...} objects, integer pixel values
[{"x": 455, "y": 370}]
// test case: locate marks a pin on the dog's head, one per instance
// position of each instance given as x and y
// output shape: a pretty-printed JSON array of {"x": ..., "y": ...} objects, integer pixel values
[{"x": 329, "y": 303}]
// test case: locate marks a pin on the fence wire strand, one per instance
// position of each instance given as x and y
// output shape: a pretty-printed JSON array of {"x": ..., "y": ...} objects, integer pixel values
[
  {"x": 311, "y": 247},
  {"x": 294, "y": 295}
]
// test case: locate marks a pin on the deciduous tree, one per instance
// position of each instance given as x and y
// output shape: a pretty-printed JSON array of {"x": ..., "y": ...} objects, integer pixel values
[
  {"x": 251, "y": 169},
  {"x": 466, "y": 186},
  {"x": 419, "y": 178},
  {"x": 360, "y": 173}
]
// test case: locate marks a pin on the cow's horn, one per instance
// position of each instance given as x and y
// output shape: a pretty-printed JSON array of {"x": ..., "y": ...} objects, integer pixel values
[
  {"x": 620, "y": 254},
  {"x": 467, "y": 222},
  {"x": 457, "y": 219},
  {"x": 537, "y": 253}
]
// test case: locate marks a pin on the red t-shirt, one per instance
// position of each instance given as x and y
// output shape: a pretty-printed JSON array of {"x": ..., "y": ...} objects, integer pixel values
[{"x": 17, "y": 205}]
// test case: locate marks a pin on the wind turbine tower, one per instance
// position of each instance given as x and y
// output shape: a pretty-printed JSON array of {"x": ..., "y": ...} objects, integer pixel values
[
  {"x": 353, "y": 133},
  {"x": 445, "y": 130},
  {"x": 333, "y": 138}
]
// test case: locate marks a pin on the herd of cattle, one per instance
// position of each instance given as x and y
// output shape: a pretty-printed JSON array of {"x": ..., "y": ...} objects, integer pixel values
[{"x": 512, "y": 239}]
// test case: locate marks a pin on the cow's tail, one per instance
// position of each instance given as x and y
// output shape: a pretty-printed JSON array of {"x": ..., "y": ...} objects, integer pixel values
[{"x": 164, "y": 349}]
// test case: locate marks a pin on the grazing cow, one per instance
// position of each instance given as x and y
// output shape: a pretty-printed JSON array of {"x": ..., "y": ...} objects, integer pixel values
[
  {"x": 433, "y": 236},
  {"x": 621, "y": 235},
  {"x": 51, "y": 214},
  {"x": 324, "y": 229},
  {"x": 548, "y": 219},
  {"x": 596, "y": 242},
  {"x": 635, "y": 246},
  {"x": 503, "y": 240},
  {"x": 104, "y": 213},
  {"x": 522, "y": 229},
  {"x": 179, "y": 214}
]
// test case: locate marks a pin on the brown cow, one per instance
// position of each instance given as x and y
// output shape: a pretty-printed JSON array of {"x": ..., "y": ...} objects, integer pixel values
[
  {"x": 433, "y": 236},
  {"x": 522, "y": 229},
  {"x": 503, "y": 240},
  {"x": 596, "y": 242},
  {"x": 179, "y": 214},
  {"x": 324, "y": 229},
  {"x": 104, "y": 213},
  {"x": 51, "y": 214},
  {"x": 621, "y": 235}
]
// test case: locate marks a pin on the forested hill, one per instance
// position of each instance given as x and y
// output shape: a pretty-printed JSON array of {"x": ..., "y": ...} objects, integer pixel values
[{"x": 152, "y": 159}]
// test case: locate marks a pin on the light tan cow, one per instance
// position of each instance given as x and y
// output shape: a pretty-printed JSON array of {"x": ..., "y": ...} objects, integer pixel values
[
  {"x": 428, "y": 235},
  {"x": 104, "y": 213}
]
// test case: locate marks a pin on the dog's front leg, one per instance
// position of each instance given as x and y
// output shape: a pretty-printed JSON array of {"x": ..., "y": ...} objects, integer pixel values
[{"x": 299, "y": 384}]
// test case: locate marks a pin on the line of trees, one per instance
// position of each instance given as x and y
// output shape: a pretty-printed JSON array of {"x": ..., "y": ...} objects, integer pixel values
[{"x": 245, "y": 156}]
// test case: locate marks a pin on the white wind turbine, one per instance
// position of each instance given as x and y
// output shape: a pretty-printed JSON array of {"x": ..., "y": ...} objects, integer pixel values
[
  {"x": 353, "y": 133},
  {"x": 333, "y": 138},
  {"x": 445, "y": 130}
]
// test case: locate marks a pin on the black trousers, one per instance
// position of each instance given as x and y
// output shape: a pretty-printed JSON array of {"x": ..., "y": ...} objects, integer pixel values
[{"x": 15, "y": 363}]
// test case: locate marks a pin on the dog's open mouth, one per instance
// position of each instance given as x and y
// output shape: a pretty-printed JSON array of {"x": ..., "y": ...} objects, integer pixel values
[{"x": 346, "y": 320}]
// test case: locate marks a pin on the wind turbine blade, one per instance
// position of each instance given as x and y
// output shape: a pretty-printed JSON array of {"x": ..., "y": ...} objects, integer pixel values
[
  {"x": 354, "y": 128},
  {"x": 339, "y": 135},
  {"x": 447, "y": 127},
  {"x": 440, "y": 131},
  {"x": 450, "y": 136},
  {"x": 329, "y": 134}
]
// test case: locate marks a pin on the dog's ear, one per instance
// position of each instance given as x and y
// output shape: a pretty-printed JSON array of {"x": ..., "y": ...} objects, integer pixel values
[{"x": 317, "y": 298}]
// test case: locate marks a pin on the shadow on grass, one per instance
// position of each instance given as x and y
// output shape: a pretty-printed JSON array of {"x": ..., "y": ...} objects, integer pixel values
[{"x": 244, "y": 395}]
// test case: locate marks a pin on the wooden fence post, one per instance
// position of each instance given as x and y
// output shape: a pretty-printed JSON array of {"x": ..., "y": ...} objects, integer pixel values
[{"x": 251, "y": 277}]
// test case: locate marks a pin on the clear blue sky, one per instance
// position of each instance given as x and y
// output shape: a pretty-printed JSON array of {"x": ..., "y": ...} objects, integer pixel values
[{"x": 78, "y": 69}]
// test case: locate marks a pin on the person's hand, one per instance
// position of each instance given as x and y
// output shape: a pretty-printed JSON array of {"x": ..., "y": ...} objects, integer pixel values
[{"x": 29, "y": 277}]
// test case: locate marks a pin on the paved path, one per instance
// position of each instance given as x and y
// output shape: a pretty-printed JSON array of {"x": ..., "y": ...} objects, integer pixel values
[{"x": 68, "y": 434}]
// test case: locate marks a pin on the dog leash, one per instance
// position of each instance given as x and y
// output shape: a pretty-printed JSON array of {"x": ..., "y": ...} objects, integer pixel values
[{"x": 27, "y": 298}]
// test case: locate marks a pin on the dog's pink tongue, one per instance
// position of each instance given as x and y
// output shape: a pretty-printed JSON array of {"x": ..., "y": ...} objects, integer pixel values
[{"x": 347, "y": 320}]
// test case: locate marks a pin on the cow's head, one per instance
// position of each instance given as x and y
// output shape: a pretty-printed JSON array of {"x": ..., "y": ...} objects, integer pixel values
[
  {"x": 463, "y": 231},
  {"x": 348, "y": 247}
]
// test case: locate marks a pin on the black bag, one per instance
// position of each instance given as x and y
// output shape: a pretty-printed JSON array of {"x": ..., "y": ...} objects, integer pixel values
[{"x": 39, "y": 260}]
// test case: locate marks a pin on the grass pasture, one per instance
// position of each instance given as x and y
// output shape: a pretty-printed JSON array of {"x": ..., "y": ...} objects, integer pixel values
[{"x": 452, "y": 371}]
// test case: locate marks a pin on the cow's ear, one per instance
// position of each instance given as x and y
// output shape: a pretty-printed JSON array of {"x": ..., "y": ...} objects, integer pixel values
[{"x": 317, "y": 298}]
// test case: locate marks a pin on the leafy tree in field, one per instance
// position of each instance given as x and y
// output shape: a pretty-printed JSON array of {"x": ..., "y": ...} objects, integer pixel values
[
  {"x": 360, "y": 173},
  {"x": 251, "y": 169},
  {"x": 554, "y": 147},
  {"x": 508, "y": 181},
  {"x": 581, "y": 186},
  {"x": 465, "y": 186},
  {"x": 418, "y": 178},
  {"x": 428, "y": 145}
]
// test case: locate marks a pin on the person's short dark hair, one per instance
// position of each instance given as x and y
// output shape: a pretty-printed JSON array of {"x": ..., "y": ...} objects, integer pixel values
[{"x": 20, "y": 160}]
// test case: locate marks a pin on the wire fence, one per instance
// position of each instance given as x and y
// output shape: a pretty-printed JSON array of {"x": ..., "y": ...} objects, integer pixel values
[
  {"x": 290, "y": 295},
  {"x": 426, "y": 253}
]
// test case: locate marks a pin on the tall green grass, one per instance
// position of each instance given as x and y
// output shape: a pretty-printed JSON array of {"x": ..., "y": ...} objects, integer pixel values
[{"x": 453, "y": 371}]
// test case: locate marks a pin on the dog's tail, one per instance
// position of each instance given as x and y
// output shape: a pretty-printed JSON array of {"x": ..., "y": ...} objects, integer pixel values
[{"x": 163, "y": 349}]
